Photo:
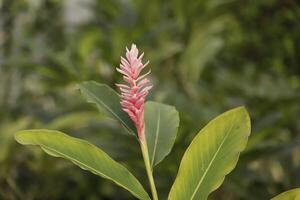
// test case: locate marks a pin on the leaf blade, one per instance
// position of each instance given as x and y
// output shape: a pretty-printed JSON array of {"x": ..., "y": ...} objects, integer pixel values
[
  {"x": 288, "y": 195},
  {"x": 210, "y": 156},
  {"x": 107, "y": 101},
  {"x": 161, "y": 125},
  {"x": 84, "y": 155}
]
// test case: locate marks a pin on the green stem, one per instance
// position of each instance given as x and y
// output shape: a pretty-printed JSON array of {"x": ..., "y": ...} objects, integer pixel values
[{"x": 148, "y": 169}]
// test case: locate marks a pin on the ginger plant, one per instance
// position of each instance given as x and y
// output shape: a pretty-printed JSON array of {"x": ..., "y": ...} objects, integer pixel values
[{"x": 212, "y": 154}]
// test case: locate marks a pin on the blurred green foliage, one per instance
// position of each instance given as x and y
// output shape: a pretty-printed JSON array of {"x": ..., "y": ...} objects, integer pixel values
[{"x": 205, "y": 56}]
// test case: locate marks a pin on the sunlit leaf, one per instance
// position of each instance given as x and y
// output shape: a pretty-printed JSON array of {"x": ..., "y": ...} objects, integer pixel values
[
  {"x": 212, "y": 154},
  {"x": 84, "y": 155},
  {"x": 289, "y": 195}
]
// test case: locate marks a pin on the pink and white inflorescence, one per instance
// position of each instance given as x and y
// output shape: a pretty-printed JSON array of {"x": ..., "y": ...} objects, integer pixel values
[{"x": 133, "y": 94}]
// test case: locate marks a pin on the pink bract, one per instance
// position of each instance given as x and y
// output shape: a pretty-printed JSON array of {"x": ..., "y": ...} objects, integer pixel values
[{"x": 133, "y": 94}]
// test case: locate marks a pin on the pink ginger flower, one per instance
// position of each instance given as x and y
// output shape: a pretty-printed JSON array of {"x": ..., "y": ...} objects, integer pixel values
[{"x": 133, "y": 94}]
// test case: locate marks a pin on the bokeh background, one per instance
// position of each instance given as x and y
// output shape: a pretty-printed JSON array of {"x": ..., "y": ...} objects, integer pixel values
[{"x": 206, "y": 57}]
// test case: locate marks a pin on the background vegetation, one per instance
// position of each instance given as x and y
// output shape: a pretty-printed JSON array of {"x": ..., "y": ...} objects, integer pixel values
[{"x": 205, "y": 56}]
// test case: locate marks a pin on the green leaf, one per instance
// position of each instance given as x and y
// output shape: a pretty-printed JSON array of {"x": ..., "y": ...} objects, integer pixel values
[
  {"x": 212, "y": 155},
  {"x": 84, "y": 155},
  {"x": 161, "y": 124},
  {"x": 107, "y": 101},
  {"x": 289, "y": 195}
]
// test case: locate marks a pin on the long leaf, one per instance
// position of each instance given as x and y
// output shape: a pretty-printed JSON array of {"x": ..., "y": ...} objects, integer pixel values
[
  {"x": 84, "y": 155},
  {"x": 107, "y": 101},
  {"x": 212, "y": 154},
  {"x": 162, "y": 122},
  {"x": 289, "y": 195}
]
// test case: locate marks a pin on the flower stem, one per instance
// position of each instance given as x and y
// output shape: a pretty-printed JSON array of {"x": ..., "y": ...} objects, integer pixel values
[{"x": 148, "y": 169}]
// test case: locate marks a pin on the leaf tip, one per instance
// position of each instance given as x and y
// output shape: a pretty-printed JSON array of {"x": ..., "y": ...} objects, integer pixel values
[
  {"x": 240, "y": 108},
  {"x": 243, "y": 112},
  {"x": 79, "y": 86},
  {"x": 19, "y": 136},
  {"x": 247, "y": 115}
]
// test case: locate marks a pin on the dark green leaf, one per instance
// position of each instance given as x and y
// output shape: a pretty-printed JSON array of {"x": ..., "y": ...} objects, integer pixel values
[
  {"x": 107, "y": 101},
  {"x": 162, "y": 122}
]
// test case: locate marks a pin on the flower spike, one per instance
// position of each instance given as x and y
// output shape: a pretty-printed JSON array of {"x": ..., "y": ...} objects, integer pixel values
[{"x": 134, "y": 93}]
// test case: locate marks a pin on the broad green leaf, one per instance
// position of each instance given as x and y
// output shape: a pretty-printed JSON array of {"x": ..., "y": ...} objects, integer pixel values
[
  {"x": 84, "y": 155},
  {"x": 212, "y": 155},
  {"x": 289, "y": 195},
  {"x": 107, "y": 101},
  {"x": 161, "y": 123}
]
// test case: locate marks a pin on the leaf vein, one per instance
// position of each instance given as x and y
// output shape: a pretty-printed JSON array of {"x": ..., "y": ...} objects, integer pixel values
[
  {"x": 210, "y": 163},
  {"x": 107, "y": 107},
  {"x": 88, "y": 167},
  {"x": 156, "y": 137}
]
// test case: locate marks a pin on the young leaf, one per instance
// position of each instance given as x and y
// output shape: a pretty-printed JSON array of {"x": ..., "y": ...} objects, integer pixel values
[
  {"x": 212, "y": 154},
  {"x": 161, "y": 124},
  {"x": 288, "y": 195},
  {"x": 107, "y": 101},
  {"x": 84, "y": 155}
]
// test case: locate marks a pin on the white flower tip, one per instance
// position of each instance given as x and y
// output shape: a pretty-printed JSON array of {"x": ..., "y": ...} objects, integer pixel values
[{"x": 133, "y": 46}]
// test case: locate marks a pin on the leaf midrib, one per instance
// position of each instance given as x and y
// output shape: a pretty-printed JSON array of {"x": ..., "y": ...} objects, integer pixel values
[
  {"x": 156, "y": 137},
  {"x": 210, "y": 163},
  {"x": 103, "y": 104},
  {"x": 89, "y": 167}
]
